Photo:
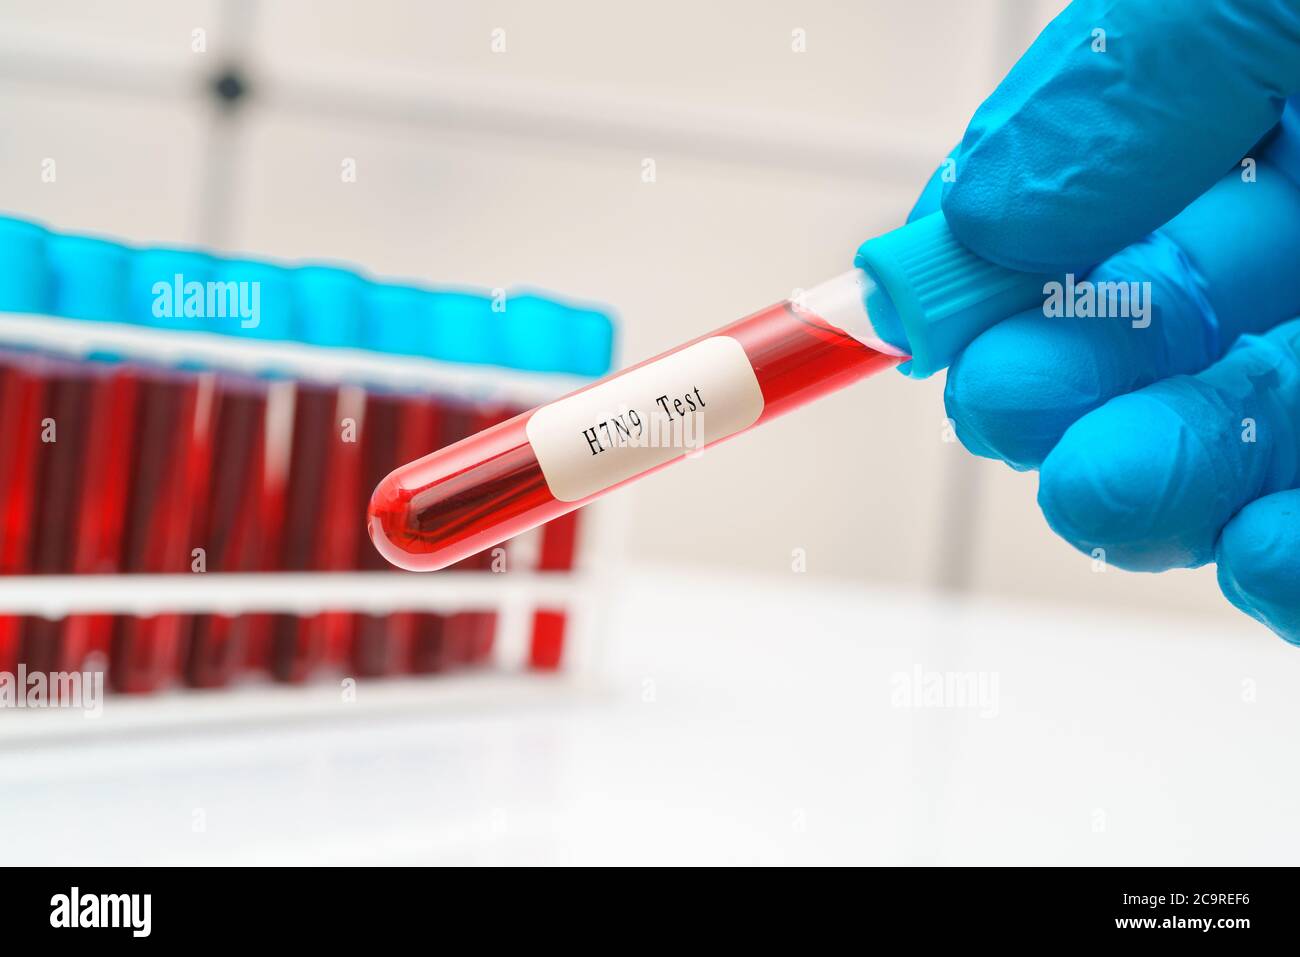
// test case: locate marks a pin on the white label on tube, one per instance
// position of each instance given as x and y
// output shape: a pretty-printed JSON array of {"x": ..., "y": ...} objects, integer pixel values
[{"x": 641, "y": 419}]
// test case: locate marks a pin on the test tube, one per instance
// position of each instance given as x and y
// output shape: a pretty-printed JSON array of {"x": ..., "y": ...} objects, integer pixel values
[
  {"x": 102, "y": 509},
  {"x": 420, "y": 632},
  {"x": 917, "y": 297},
  {"x": 317, "y": 534},
  {"x": 60, "y": 472},
  {"x": 22, "y": 391},
  {"x": 170, "y": 462},
  {"x": 461, "y": 629},
  {"x": 471, "y": 634},
  {"x": 546, "y": 462},
  {"x": 380, "y": 642},
  {"x": 227, "y": 523},
  {"x": 436, "y": 646},
  {"x": 559, "y": 547}
]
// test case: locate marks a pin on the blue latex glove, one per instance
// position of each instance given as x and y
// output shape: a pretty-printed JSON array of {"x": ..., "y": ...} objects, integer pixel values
[{"x": 1176, "y": 444}]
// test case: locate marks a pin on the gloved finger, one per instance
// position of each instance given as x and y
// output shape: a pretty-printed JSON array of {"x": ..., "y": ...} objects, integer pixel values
[
  {"x": 1259, "y": 562},
  {"x": 1149, "y": 480},
  {"x": 1118, "y": 115},
  {"x": 1223, "y": 267}
]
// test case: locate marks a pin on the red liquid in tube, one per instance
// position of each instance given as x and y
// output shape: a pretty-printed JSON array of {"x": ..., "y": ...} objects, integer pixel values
[
  {"x": 60, "y": 477},
  {"x": 491, "y": 486},
  {"x": 170, "y": 461},
  {"x": 23, "y": 384},
  {"x": 227, "y": 522},
  {"x": 102, "y": 507}
]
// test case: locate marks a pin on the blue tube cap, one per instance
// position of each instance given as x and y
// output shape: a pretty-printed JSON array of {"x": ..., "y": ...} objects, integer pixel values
[
  {"x": 540, "y": 334},
  {"x": 329, "y": 305},
  {"x": 935, "y": 295},
  {"x": 263, "y": 294},
  {"x": 25, "y": 278},
  {"x": 458, "y": 327},
  {"x": 169, "y": 289},
  {"x": 90, "y": 278},
  {"x": 397, "y": 319}
]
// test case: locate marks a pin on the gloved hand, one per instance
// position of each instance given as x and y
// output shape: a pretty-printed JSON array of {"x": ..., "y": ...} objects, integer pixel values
[{"x": 1177, "y": 443}]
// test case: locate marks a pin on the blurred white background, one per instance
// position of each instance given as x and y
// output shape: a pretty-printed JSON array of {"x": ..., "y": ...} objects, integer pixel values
[{"x": 1123, "y": 696}]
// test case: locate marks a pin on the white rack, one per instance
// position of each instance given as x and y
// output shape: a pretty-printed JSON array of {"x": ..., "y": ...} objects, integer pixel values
[
  {"x": 299, "y": 593},
  {"x": 76, "y": 339},
  {"x": 513, "y": 594}
]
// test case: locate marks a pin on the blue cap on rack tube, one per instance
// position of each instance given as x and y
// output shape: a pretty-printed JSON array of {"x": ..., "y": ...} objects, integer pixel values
[
  {"x": 329, "y": 305},
  {"x": 531, "y": 332},
  {"x": 543, "y": 335},
  {"x": 169, "y": 289},
  {"x": 591, "y": 337},
  {"x": 397, "y": 318},
  {"x": 459, "y": 328},
  {"x": 90, "y": 277},
  {"x": 25, "y": 278},
  {"x": 263, "y": 296}
]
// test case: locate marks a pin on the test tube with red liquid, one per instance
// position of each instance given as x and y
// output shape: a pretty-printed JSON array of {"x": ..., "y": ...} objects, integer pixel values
[
  {"x": 102, "y": 506},
  {"x": 559, "y": 548},
  {"x": 436, "y": 646},
  {"x": 60, "y": 473},
  {"x": 553, "y": 459},
  {"x": 227, "y": 523},
  {"x": 471, "y": 634},
  {"x": 394, "y": 424},
  {"x": 171, "y": 460},
  {"x": 318, "y": 530},
  {"x": 22, "y": 392}
]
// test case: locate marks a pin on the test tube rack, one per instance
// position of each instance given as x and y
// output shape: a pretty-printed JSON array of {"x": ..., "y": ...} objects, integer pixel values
[{"x": 188, "y": 444}]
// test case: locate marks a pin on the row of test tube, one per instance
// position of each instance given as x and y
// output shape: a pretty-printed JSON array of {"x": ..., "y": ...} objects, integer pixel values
[{"x": 140, "y": 444}]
